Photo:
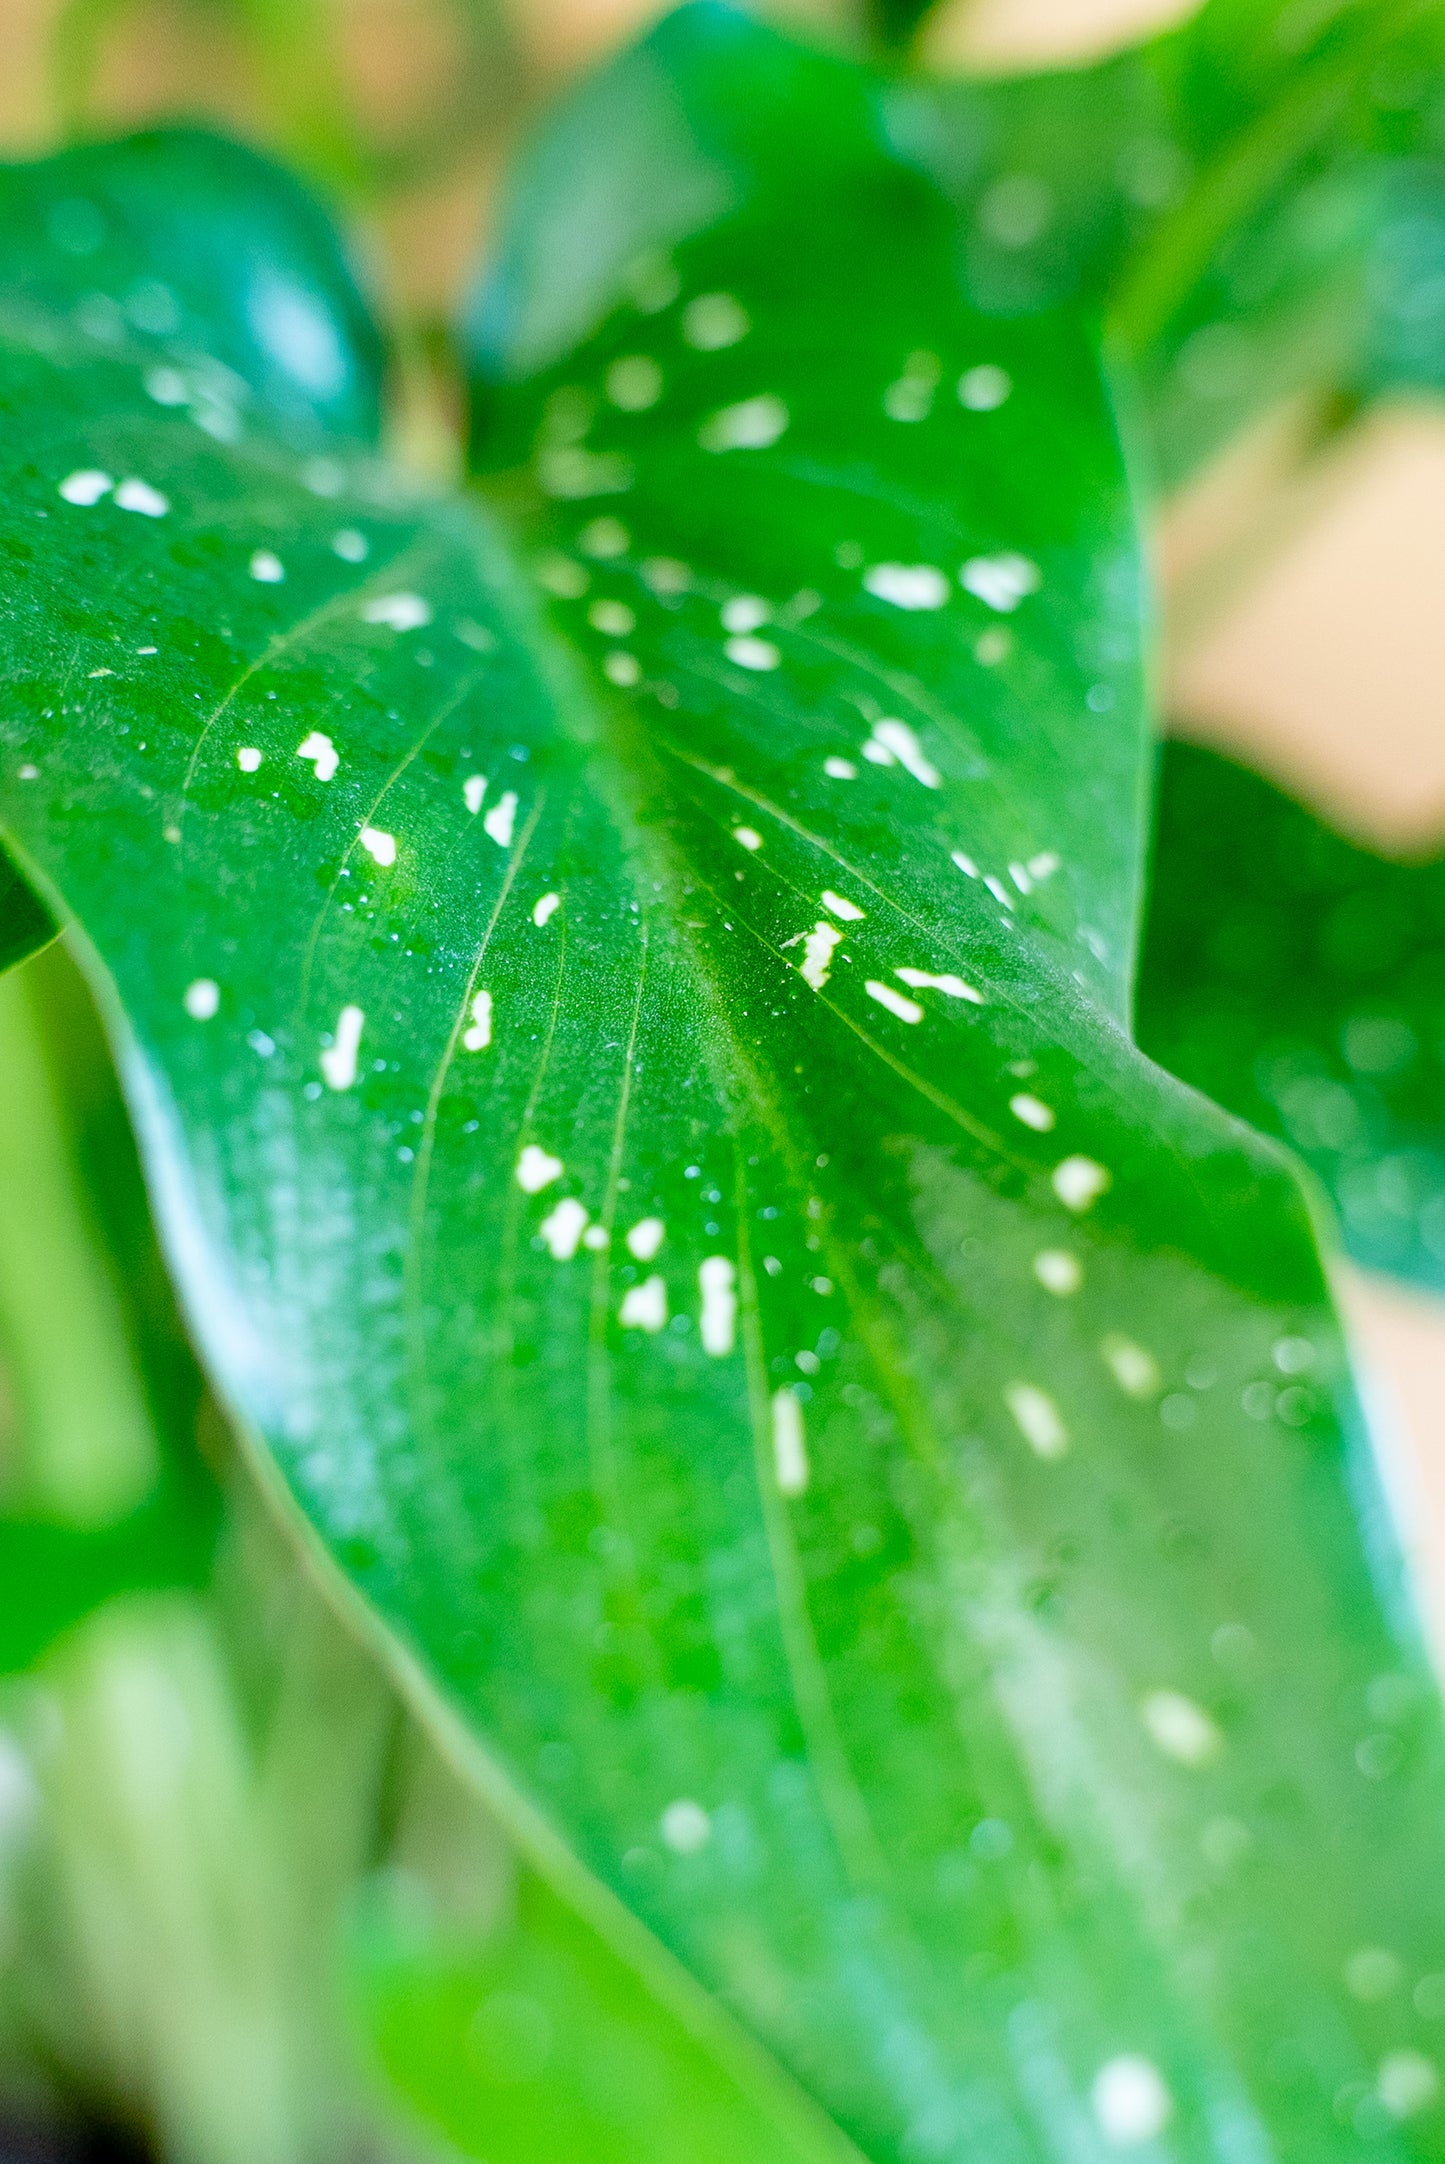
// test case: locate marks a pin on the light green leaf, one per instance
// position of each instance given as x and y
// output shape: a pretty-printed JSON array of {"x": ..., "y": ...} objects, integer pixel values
[
  {"x": 1300, "y": 979},
  {"x": 534, "y": 2039},
  {"x": 637, "y": 1088}
]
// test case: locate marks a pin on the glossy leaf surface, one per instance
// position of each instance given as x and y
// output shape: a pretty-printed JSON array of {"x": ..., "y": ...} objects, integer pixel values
[
  {"x": 1300, "y": 980},
  {"x": 624, "y": 1001}
]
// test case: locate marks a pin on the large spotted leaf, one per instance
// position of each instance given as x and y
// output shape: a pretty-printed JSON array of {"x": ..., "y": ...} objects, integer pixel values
[{"x": 624, "y": 995}]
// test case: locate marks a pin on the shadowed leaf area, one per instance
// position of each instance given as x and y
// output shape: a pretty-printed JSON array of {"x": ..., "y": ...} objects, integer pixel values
[
  {"x": 622, "y": 983},
  {"x": 1300, "y": 980}
]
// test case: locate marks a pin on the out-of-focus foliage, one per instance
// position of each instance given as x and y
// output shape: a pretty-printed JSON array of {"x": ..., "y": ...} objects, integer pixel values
[{"x": 1299, "y": 979}]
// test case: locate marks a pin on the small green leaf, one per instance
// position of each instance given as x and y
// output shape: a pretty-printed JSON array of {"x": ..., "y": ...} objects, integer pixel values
[
  {"x": 625, "y": 996},
  {"x": 205, "y": 267},
  {"x": 1300, "y": 980}
]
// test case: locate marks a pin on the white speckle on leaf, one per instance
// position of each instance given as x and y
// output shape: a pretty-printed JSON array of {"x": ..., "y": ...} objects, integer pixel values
[
  {"x": 1019, "y": 874},
  {"x": 1407, "y": 2083},
  {"x": 984, "y": 388},
  {"x": 614, "y": 618},
  {"x": 622, "y": 669},
  {"x": 546, "y": 906},
  {"x": 338, "y": 1059},
  {"x": 322, "y": 752},
  {"x": 790, "y": 1450},
  {"x": 664, "y": 575},
  {"x": 501, "y": 819},
  {"x": 998, "y": 890},
  {"x": 634, "y": 382},
  {"x": 751, "y": 425},
  {"x": 167, "y": 386},
  {"x": 964, "y": 863},
  {"x": 644, "y": 1306},
  {"x": 744, "y": 612},
  {"x": 139, "y": 496},
  {"x": 1131, "y": 2101},
  {"x": 86, "y": 487},
  {"x": 1133, "y": 1369},
  {"x": 908, "y": 586},
  {"x": 352, "y": 547},
  {"x": 847, "y": 912},
  {"x": 899, "y": 741},
  {"x": 923, "y": 980},
  {"x": 479, "y": 1035},
  {"x": 323, "y": 476},
  {"x": 378, "y": 845},
  {"x": 748, "y": 837},
  {"x": 714, "y": 320},
  {"x": 1058, "y": 1271},
  {"x": 267, "y": 569},
  {"x": 645, "y": 1238},
  {"x": 564, "y": 1228},
  {"x": 1182, "y": 1730},
  {"x": 248, "y": 758},
  {"x": 1001, "y": 582},
  {"x": 571, "y": 473},
  {"x": 595, "y": 1238},
  {"x": 1038, "y": 1419},
  {"x": 817, "y": 953},
  {"x": 474, "y": 788},
  {"x": 1079, "y": 1181},
  {"x": 604, "y": 538},
  {"x": 717, "y": 1278},
  {"x": 1044, "y": 865},
  {"x": 840, "y": 769},
  {"x": 907, "y": 1010},
  {"x": 398, "y": 612},
  {"x": 759, "y": 655},
  {"x": 686, "y": 1827},
  {"x": 1033, "y": 1112},
  {"x": 202, "y": 999},
  {"x": 560, "y": 576},
  {"x": 536, "y": 1169}
]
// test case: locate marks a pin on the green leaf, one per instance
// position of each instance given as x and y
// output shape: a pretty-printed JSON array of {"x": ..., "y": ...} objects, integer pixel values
[
  {"x": 103, "y": 1489},
  {"x": 865, "y": 1455},
  {"x": 1300, "y": 979},
  {"x": 204, "y": 266},
  {"x": 534, "y": 2039},
  {"x": 1249, "y": 200},
  {"x": 26, "y": 925}
]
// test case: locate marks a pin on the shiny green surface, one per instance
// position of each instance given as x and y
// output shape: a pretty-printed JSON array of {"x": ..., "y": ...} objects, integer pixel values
[
  {"x": 1300, "y": 980},
  {"x": 932, "y": 1573}
]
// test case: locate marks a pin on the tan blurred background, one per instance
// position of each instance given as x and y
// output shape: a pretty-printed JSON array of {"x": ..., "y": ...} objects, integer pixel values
[{"x": 1304, "y": 627}]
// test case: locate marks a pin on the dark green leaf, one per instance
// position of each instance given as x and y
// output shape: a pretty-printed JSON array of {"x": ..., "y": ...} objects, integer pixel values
[
  {"x": 202, "y": 265},
  {"x": 867, "y": 1455},
  {"x": 1300, "y": 980},
  {"x": 26, "y": 925}
]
